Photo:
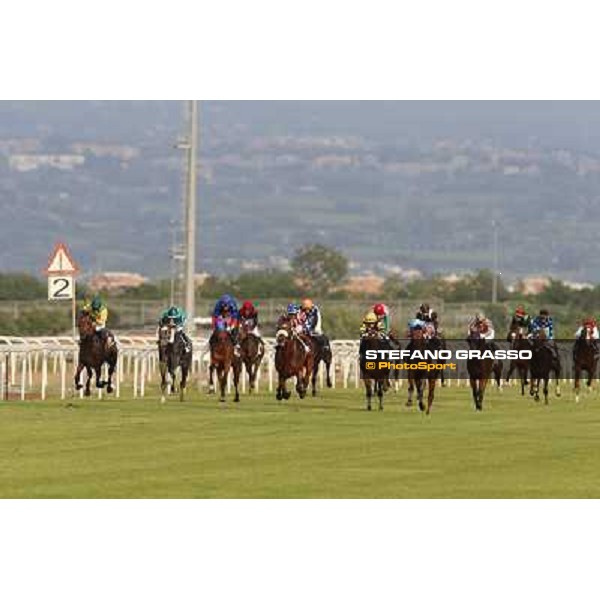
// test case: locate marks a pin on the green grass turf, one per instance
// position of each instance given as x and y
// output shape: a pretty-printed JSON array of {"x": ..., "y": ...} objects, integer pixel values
[{"x": 328, "y": 447}]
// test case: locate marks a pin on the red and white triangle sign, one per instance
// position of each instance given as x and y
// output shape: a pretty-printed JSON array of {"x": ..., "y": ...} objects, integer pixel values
[{"x": 61, "y": 262}]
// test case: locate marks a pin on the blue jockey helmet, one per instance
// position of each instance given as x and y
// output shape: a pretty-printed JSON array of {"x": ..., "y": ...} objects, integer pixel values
[
  {"x": 292, "y": 309},
  {"x": 96, "y": 303},
  {"x": 173, "y": 312}
]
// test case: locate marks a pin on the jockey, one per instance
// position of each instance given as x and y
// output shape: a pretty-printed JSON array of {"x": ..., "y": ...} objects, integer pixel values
[
  {"x": 414, "y": 324},
  {"x": 543, "y": 322},
  {"x": 483, "y": 325},
  {"x": 293, "y": 317},
  {"x": 520, "y": 320},
  {"x": 591, "y": 324},
  {"x": 176, "y": 317},
  {"x": 370, "y": 323},
  {"x": 99, "y": 313},
  {"x": 427, "y": 315},
  {"x": 249, "y": 318},
  {"x": 226, "y": 316},
  {"x": 311, "y": 317},
  {"x": 382, "y": 312}
]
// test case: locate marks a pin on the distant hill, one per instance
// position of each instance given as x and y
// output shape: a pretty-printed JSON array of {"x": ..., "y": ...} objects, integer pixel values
[{"x": 415, "y": 184}]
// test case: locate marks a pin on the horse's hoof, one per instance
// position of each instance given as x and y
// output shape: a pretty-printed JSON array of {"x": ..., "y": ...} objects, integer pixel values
[
  {"x": 109, "y": 389},
  {"x": 87, "y": 393},
  {"x": 287, "y": 395},
  {"x": 314, "y": 393},
  {"x": 421, "y": 406},
  {"x": 381, "y": 408},
  {"x": 369, "y": 407},
  {"x": 236, "y": 399},
  {"x": 329, "y": 384},
  {"x": 221, "y": 399},
  {"x": 408, "y": 403},
  {"x": 100, "y": 385},
  {"x": 78, "y": 386}
]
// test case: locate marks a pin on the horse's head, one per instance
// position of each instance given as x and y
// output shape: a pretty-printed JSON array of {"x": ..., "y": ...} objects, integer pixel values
[
  {"x": 85, "y": 324},
  {"x": 474, "y": 338},
  {"x": 283, "y": 333},
  {"x": 165, "y": 335},
  {"x": 417, "y": 334}
]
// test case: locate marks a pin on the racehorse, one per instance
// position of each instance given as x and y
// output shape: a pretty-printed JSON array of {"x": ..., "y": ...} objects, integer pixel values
[
  {"x": 418, "y": 377},
  {"x": 322, "y": 353},
  {"x": 294, "y": 357},
  {"x": 252, "y": 352},
  {"x": 223, "y": 360},
  {"x": 519, "y": 342},
  {"x": 585, "y": 358},
  {"x": 480, "y": 369},
  {"x": 171, "y": 356},
  {"x": 93, "y": 353},
  {"x": 371, "y": 340},
  {"x": 542, "y": 364}
]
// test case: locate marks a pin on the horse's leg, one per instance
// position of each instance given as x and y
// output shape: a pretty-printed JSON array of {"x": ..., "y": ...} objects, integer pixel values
[
  {"x": 420, "y": 393},
  {"x": 431, "y": 392},
  {"x": 511, "y": 368},
  {"x": 182, "y": 385},
  {"x": 237, "y": 367},
  {"x": 474, "y": 392},
  {"x": 89, "y": 380},
  {"x": 78, "y": 385},
  {"x": 328, "y": 358},
  {"x": 222, "y": 372},
  {"x": 546, "y": 379},
  {"x": 498, "y": 366},
  {"x": 380, "y": 393},
  {"x": 211, "y": 380},
  {"x": 98, "y": 371},
  {"x": 163, "y": 380},
  {"x": 411, "y": 389},
  {"x": 313, "y": 381},
  {"x": 368, "y": 392},
  {"x": 111, "y": 369},
  {"x": 577, "y": 376}
]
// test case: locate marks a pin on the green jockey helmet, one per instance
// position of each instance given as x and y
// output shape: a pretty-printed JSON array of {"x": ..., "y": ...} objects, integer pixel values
[
  {"x": 173, "y": 312},
  {"x": 96, "y": 303}
]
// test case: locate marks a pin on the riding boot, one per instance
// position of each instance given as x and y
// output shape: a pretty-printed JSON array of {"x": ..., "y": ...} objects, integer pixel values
[{"x": 187, "y": 341}]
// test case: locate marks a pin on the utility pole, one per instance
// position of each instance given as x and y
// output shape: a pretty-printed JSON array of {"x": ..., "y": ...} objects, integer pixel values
[
  {"x": 495, "y": 267},
  {"x": 190, "y": 218}
]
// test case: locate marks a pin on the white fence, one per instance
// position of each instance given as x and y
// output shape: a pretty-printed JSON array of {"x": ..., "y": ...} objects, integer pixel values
[{"x": 29, "y": 364}]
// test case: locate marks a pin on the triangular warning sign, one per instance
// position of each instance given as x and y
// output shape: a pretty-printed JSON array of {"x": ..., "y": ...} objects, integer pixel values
[{"x": 61, "y": 261}]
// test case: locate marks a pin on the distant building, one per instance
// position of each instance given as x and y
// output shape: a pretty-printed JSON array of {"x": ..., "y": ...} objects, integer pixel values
[
  {"x": 116, "y": 281},
  {"x": 31, "y": 162},
  {"x": 532, "y": 285},
  {"x": 120, "y": 152},
  {"x": 364, "y": 284}
]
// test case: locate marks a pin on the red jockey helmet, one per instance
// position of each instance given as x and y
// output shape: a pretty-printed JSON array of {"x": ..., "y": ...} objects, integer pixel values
[
  {"x": 247, "y": 307},
  {"x": 379, "y": 310},
  {"x": 589, "y": 322},
  {"x": 520, "y": 312}
]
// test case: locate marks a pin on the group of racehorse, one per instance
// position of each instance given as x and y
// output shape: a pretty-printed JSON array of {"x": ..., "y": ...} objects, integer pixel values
[
  {"x": 299, "y": 356},
  {"x": 296, "y": 355}
]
